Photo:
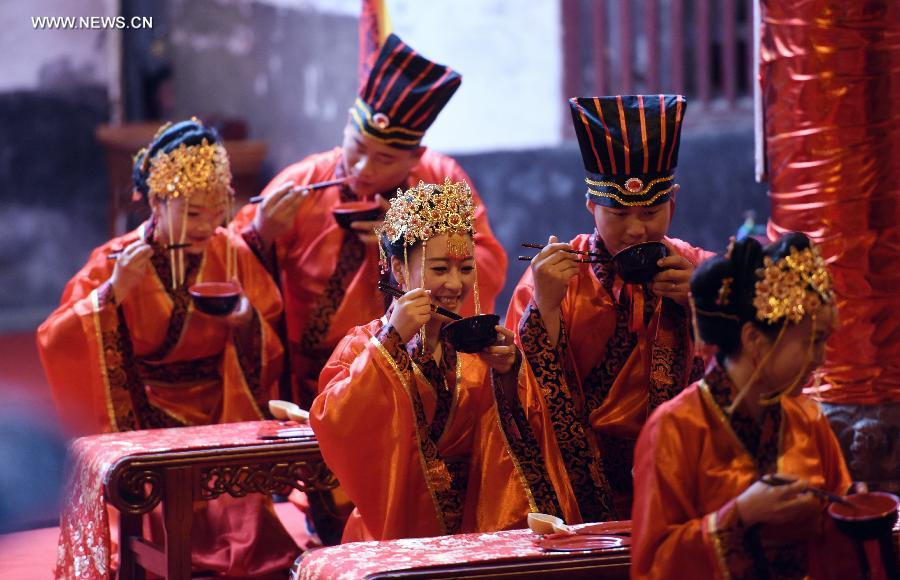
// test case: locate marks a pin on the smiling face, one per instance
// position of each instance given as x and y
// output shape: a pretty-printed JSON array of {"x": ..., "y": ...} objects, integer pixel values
[
  {"x": 373, "y": 166},
  {"x": 449, "y": 269},
  {"x": 620, "y": 227},
  {"x": 204, "y": 214}
]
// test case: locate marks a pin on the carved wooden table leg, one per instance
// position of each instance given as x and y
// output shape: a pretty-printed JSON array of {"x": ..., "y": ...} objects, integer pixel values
[
  {"x": 177, "y": 513},
  {"x": 130, "y": 526}
]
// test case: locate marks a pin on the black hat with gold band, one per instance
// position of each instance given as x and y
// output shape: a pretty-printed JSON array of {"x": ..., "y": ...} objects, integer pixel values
[
  {"x": 403, "y": 95},
  {"x": 629, "y": 144}
]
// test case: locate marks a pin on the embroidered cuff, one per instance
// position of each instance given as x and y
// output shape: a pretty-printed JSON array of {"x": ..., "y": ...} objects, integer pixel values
[
  {"x": 249, "y": 346},
  {"x": 106, "y": 296},
  {"x": 727, "y": 533},
  {"x": 255, "y": 242},
  {"x": 536, "y": 341},
  {"x": 392, "y": 343}
]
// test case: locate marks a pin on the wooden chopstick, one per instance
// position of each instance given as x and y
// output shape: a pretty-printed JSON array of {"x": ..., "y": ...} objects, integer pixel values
[
  {"x": 541, "y": 247},
  {"x": 310, "y": 187},
  {"x": 397, "y": 293}
]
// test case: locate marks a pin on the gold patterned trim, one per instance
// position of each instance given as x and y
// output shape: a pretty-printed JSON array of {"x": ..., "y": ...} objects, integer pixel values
[
  {"x": 391, "y": 129},
  {"x": 630, "y": 203},
  {"x": 110, "y": 410},
  {"x": 173, "y": 415},
  {"x": 707, "y": 395},
  {"x": 712, "y": 527},
  {"x": 454, "y": 402},
  {"x": 532, "y": 503},
  {"x": 248, "y": 392},
  {"x": 362, "y": 129},
  {"x": 723, "y": 418},
  {"x": 624, "y": 191},
  {"x": 406, "y": 385}
]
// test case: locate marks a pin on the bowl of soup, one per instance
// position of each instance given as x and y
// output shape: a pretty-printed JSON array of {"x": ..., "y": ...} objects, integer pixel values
[
  {"x": 868, "y": 515},
  {"x": 215, "y": 298}
]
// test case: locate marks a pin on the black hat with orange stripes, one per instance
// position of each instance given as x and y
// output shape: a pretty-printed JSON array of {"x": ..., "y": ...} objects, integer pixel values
[
  {"x": 629, "y": 144},
  {"x": 402, "y": 96}
]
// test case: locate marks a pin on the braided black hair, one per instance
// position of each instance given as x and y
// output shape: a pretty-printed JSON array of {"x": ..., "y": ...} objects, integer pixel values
[
  {"x": 189, "y": 133},
  {"x": 723, "y": 289}
]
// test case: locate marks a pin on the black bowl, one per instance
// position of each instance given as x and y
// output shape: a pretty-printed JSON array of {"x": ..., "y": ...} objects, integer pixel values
[
  {"x": 873, "y": 515},
  {"x": 215, "y": 298},
  {"x": 637, "y": 264},
  {"x": 356, "y": 211},
  {"x": 473, "y": 333}
]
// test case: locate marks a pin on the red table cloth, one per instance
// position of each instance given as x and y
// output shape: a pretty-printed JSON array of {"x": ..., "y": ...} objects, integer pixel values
[
  {"x": 359, "y": 559},
  {"x": 84, "y": 535}
]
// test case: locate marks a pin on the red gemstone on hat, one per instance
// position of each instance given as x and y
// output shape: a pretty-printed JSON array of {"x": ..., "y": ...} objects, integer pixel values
[
  {"x": 634, "y": 185},
  {"x": 381, "y": 120}
]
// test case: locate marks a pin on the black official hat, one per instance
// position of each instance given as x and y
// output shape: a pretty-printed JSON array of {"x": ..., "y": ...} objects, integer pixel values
[
  {"x": 403, "y": 95},
  {"x": 629, "y": 144}
]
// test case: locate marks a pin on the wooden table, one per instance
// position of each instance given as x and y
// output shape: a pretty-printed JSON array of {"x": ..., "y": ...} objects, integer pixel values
[{"x": 176, "y": 468}]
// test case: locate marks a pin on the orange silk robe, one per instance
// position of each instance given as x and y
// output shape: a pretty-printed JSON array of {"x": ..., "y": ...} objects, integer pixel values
[
  {"x": 610, "y": 368},
  {"x": 412, "y": 466},
  {"x": 156, "y": 362},
  {"x": 329, "y": 278},
  {"x": 690, "y": 466},
  {"x": 191, "y": 368}
]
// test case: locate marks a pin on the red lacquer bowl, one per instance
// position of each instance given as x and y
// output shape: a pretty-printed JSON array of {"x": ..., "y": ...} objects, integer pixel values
[
  {"x": 215, "y": 298},
  {"x": 870, "y": 516}
]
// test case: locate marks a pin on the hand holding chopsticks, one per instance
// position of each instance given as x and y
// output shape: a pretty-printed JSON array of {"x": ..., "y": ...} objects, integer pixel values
[
  {"x": 277, "y": 211},
  {"x": 589, "y": 257},
  {"x": 310, "y": 187},
  {"x": 772, "y": 479},
  {"x": 398, "y": 293},
  {"x": 116, "y": 254},
  {"x": 130, "y": 267}
]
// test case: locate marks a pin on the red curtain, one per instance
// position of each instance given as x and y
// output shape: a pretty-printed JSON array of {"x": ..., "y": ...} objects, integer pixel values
[{"x": 830, "y": 77}]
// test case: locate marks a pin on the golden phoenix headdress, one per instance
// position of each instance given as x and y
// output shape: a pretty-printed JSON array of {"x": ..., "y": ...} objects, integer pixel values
[
  {"x": 428, "y": 210},
  {"x": 792, "y": 287}
]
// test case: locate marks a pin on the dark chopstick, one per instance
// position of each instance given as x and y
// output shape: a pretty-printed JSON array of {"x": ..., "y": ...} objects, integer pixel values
[
  {"x": 310, "y": 187},
  {"x": 115, "y": 255},
  {"x": 541, "y": 247},
  {"x": 583, "y": 261},
  {"x": 775, "y": 480},
  {"x": 397, "y": 293}
]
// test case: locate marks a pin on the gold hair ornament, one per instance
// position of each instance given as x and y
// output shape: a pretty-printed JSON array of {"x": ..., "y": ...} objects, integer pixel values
[
  {"x": 428, "y": 210},
  {"x": 190, "y": 170},
  {"x": 792, "y": 287},
  {"x": 425, "y": 211}
]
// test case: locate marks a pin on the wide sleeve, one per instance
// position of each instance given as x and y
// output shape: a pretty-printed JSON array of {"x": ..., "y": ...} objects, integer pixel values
[
  {"x": 71, "y": 348},
  {"x": 363, "y": 419},
  {"x": 669, "y": 539},
  {"x": 490, "y": 257},
  {"x": 259, "y": 351}
]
